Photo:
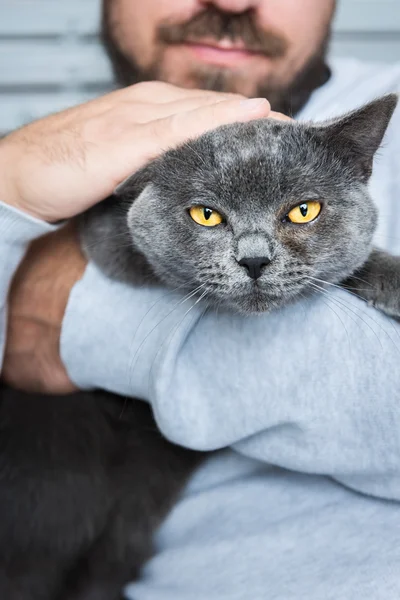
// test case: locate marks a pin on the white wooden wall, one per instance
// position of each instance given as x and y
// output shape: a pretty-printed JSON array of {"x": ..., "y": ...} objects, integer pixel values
[{"x": 50, "y": 57}]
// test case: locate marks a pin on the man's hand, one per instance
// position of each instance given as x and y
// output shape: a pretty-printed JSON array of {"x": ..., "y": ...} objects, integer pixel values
[
  {"x": 37, "y": 302},
  {"x": 59, "y": 166}
]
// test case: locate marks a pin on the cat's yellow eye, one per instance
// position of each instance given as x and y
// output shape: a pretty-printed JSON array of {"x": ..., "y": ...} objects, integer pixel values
[
  {"x": 305, "y": 212},
  {"x": 205, "y": 216}
]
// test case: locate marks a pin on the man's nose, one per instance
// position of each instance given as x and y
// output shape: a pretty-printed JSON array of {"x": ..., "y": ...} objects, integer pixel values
[{"x": 234, "y": 6}]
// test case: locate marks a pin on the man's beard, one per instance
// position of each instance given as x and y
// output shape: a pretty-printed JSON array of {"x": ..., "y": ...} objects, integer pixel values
[{"x": 213, "y": 23}]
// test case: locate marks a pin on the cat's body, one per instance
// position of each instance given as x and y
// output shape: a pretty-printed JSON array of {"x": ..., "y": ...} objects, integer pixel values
[{"x": 85, "y": 480}]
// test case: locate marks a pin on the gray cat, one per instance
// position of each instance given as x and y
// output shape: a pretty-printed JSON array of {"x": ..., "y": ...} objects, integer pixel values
[
  {"x": 254, "y": 213},
  {"x": 251, "y": 215}
]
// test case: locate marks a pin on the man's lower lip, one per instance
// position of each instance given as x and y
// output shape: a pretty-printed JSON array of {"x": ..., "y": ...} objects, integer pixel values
[{"x": 220, "y": 56}]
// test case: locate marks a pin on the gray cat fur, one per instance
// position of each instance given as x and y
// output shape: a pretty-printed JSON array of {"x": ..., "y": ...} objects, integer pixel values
[{"x": 253, "y": 173}]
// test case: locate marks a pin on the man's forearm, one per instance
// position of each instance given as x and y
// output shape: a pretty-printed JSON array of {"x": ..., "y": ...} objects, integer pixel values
[
  {"x": 37, "y": 300},
  {"x": 314, "y": 387}
]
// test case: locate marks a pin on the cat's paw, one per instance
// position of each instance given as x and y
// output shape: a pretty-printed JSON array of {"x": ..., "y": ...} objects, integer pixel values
[{"x": 378, "y": 283}]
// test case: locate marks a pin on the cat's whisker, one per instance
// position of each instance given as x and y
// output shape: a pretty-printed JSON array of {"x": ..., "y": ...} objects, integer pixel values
[
  {"x": 326, "y": 302},
  {"x": 161, "y": 297},
  {"x": 181, "y": 301},
  {"x": 362, "y": 280},
  {"x": 369, "y": 316},
  {"x": 304, "y": 297},
  {"x": 328, "y": 297},
  {"x": 339, "y": 287},
  {"x": 356, "y": 296},
  {"x": 111, "y": 237},
  {"x": 171, "y": 334},
  {"x": 346, "y": 305}
]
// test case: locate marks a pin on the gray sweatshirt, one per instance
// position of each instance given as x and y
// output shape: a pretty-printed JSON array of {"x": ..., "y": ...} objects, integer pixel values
[{"x": 301, "y": 499}]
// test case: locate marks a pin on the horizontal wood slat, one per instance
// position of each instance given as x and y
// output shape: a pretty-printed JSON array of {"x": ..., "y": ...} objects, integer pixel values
[
  {"x": 53, "y": 17},
  {"x": 45, "y": 62},
  {"x": 49, "y": 17}
]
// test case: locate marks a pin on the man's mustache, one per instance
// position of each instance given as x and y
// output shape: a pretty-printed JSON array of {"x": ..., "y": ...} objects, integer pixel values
[{"x": 217, "y": 24}]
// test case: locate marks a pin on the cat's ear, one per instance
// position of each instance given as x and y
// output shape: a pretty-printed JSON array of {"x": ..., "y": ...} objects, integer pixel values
[
  {"x": 359, "y": 134},
  {"x": 133, "y": 185},
  {"x": 124, "y": 186}
]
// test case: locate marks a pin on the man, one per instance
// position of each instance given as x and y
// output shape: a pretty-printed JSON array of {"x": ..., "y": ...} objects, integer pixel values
[{"x": 313, "y": 389}]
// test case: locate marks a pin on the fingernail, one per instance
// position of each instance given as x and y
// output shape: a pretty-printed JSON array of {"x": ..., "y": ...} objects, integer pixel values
[{"x": 253, "y": 103}]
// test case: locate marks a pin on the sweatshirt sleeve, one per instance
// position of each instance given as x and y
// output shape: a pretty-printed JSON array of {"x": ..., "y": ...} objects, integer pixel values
[
  {"x": 17, "y": 230},
  {"x": 314, "y": 387}
]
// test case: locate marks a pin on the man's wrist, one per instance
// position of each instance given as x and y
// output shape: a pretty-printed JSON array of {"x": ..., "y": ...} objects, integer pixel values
[{"x": 19, "y": 227}]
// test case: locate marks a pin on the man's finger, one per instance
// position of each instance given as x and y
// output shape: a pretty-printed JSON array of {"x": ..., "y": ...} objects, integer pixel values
[
  {"x": 145, "y": 113},
  {"x": 279, "y": 116},
  {"x": 160, "y": 135},
  {"x": 196, "y": 122}
]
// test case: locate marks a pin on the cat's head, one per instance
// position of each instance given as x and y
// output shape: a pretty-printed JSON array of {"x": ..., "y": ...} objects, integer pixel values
[{"x": 249, "y": 213}]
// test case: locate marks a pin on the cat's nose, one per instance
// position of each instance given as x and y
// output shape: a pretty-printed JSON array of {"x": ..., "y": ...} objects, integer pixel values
[{"x": 254, "y": 265}]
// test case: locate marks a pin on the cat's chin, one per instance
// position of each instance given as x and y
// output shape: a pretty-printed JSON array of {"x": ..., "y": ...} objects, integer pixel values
[{"x": 251, "y": 304}]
